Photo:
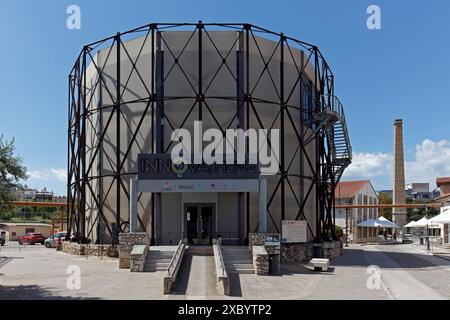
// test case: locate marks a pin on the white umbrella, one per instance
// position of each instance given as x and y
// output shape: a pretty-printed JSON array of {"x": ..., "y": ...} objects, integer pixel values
[
  {"x": 443, "y": 217},
  {"x": 420, "y": 223},
  {"x": 387, "y": 223},
  {"x": 370, "y": 223},
  {"x": 411, "y": 224}
]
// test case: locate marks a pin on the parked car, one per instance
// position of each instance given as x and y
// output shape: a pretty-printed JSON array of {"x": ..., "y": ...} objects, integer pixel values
[
  {"x": 407, "y": 238},
  {"x": 32, "y": 238},
  {"x": 53, "y": 240},
  {"x": 2, "y": 241}
]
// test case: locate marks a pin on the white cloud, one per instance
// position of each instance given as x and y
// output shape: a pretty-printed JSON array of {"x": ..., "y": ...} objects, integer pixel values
[
  {"x": 366, "y": 165},
  {"x": 432, "y": 160},
  {"x": 49, "y": 174}
]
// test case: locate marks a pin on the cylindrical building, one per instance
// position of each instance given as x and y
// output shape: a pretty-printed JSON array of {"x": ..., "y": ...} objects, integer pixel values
[{"x": 129, "y": 92}]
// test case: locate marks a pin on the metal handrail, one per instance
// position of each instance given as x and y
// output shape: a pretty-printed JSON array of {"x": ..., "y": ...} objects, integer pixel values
[
  {"x": 332, "y": 103},
  {"x": 222, "y": 262},
  {"x": 175, "y": 258}
]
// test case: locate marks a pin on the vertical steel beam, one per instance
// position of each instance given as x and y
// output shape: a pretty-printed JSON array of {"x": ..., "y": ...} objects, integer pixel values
[
  {"x": 200, "y": 71},
  {"x": 282, "y": 131},
  {"x": 133, "y": 204},
  {"x": 302, "y": 131},
  {"x": 262, "y": 215},
  {"x": 69, "y": 159},
  {"x": 84, "y": 149},
  {"x": 78, "y": 147},
  {"x": 247, "y": 109},
  {"x": 159, "y": 128},
  {"x": 154, "y": 97},
  {"x": 117, "y": 107},
  {"x": 101, "y": 219},
  {"x": 240, "y": 115}
]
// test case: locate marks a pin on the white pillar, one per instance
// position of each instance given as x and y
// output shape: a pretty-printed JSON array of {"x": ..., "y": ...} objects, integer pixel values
[
  {"x": 262, "y": 217},
  {"x": 133, "y": 204}
]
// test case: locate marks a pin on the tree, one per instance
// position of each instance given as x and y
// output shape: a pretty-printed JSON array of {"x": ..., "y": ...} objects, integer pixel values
[
  {"x": 385, "y": 212},
  {"x": 11, "y": 168}
]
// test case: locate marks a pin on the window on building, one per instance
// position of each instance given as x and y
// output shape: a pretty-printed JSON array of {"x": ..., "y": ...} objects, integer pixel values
[
  {"x": 307, "y": 99},
  {"x": 29, "y": 230}
]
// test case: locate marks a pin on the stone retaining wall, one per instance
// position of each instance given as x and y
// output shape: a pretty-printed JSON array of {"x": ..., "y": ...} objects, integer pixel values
[
  {"x": 126, "y": 243},
  {"x": 260, "y": 260},
  {"x": 99, "y": 250},
  {"x": 137, "y": 258},
  {"x": 291, "y": 252},
  {"x": 255, "y": 239}
]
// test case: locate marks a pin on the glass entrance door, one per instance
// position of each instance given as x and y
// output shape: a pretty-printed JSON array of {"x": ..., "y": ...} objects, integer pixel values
[
  {"x": 199, "y": 223},
  {"x": 206, "y": 225},
  {"x": 191, "y": 217}
]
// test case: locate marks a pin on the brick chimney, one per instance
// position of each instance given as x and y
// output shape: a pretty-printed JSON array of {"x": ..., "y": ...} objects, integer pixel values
[{"x": 399, "y": 214}]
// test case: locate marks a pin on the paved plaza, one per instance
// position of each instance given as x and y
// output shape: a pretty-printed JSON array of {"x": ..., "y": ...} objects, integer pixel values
[{"x": 407, "y": 272}]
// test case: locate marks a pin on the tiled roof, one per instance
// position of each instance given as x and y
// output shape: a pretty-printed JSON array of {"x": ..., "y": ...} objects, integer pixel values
[
  {"x": 442, "y": 180},
  {"x": 347, "y": 189}
]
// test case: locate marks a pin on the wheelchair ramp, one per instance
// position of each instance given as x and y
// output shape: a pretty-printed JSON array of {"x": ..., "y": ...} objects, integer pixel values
[{"x": 197, "y": 276}]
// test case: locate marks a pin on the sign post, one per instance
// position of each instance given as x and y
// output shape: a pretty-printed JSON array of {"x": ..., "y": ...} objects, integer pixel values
[{"x": 294, "y": 231}]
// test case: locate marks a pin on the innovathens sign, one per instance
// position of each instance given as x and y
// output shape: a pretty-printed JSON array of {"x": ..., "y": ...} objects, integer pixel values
[{"x": 227, "y": 149}]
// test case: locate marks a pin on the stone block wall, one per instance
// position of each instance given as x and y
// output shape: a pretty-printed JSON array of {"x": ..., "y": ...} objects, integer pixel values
[
  {"x": 291, "y": 252},
  {"x": 126, "y": 243},
  {"x": 138, "y": 257},
  {"x": 99, "y": 250},
  {"x": 260, "y": 260},
  {"x": 255, "y": 239}
]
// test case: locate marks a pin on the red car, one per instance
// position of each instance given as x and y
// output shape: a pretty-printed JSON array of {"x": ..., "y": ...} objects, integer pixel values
[{"x": 32, "y": 238}]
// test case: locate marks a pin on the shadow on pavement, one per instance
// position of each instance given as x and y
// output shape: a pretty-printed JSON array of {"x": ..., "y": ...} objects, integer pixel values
[
  {"x": 5, "y": 260},
  {"x": 32, "y": 292},
  {"x": 180, "y": 286},
  {"x": 291, "y": 268},
  {"x": 235, "y": 285},
  {"x": 356, "y": 257}
]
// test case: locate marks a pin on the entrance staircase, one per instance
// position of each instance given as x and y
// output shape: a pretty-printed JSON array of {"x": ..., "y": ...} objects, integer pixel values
[
  {"x": 158, "y": 258},
  {"x": 237, "y": 259}
]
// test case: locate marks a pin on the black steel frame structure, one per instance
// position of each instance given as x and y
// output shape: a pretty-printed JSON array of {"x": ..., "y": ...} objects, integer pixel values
[{"x": 321, "y": 112}]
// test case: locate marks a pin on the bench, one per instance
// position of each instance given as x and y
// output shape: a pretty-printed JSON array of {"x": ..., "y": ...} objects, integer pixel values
[{"x": 320, "y": 264}]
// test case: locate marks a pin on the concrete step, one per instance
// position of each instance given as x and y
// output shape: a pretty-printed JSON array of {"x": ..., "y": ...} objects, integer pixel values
[
  {"x": 239, "y": 265},
  {"x": 151, "y": 269},
  {"x": 158, "y": 260},
  {"x": 161, "y": 254},
  {"x": 241, "y": 271},
  {"x": 229, "y": 263},
  {"x": 237, "y": 256},
  {"x": 158, "y": 264}
]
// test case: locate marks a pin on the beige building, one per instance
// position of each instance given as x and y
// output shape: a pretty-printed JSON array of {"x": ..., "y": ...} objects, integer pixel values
[
  {"x": 353, "y": 193},
  {"x": 12, "y": 231}
]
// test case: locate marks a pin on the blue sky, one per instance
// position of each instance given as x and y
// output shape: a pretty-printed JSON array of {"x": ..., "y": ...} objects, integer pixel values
[{"x": 400, "y": 71}]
